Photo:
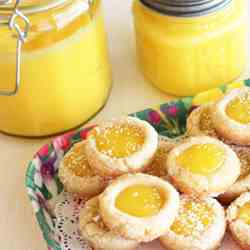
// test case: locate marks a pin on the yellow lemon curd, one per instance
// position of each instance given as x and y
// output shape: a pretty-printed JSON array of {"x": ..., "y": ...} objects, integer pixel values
[
  {"x": 184, "y": 56},
  {"x": 239, "y": 109},
  {"x": 202, "y": 159},
  {"x": 120, "y": 140},
  {"x": 140, "y": 201},
  {"x": 65, "y": 73},
  {"x": 76, "y": 161},
  {"x": 193, "y": 219},
  {"x": 244, "y": 213}
]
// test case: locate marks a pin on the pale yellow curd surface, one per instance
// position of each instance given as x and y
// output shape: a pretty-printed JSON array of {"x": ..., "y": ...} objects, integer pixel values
[
  {"x": 140, "y": 201},
  {"x": 239, "y": 109},
  {"x": 202, "y": 159}
]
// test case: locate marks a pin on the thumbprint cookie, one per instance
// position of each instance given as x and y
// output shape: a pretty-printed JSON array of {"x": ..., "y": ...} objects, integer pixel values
[
  {"x": 94, "y": 231},
  {"x": 76, "y": 174},
  {"x": 200, "y": 123},
  {"x": 121, "y": 146},
  {"x": 200, "y": 225},
  {"x": 203, "y": 166},
  {"x": 242, "y": 184},
  {"x": 139, "y": 206},
  {"x": 231, "y": 116}
]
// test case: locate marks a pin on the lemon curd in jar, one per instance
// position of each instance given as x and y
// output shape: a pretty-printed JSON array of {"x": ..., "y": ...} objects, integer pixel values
[
  {"x": 65, "y": 73},
  {"x": 184, "y": 49}
]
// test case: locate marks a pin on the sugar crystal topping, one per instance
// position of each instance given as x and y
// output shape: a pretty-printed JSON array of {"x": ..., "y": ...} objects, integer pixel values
[
  {"x": 76, "y": 161},
  {"x": 120, "y": 140},
  {"x": 206, "y": 123},
  {"x": 194, "y": 218},
  {"x": 244, "y": 155}
]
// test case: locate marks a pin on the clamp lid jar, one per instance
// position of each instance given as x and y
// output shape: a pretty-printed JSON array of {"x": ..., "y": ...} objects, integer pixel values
[{"x": 55, "y": 65}]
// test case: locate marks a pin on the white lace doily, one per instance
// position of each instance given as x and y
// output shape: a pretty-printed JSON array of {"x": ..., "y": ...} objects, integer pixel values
[{"x": 67, "y": 212}]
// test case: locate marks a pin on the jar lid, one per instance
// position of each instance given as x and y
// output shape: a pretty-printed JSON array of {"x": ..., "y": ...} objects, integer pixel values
[{"x": 186, "y": 8}]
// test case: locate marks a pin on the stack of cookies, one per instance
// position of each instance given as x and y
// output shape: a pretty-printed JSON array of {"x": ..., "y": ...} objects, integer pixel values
[{"x": 141, "y": 187}]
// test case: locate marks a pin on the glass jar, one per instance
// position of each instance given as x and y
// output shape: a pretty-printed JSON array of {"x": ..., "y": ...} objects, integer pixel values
[
  {"x": 54, "y": 67},
  {"x": 188, "y": 46}
]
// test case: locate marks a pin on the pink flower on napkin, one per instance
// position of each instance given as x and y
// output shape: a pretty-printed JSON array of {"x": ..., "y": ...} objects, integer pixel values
[
  {"x": 172, "y": 110},
  {"x": 44, "y": 151},
  {"x": 154, "y": 117}
]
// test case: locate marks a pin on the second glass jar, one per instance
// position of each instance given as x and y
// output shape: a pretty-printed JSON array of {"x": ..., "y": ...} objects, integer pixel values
[{"x": 188, "y": 47}]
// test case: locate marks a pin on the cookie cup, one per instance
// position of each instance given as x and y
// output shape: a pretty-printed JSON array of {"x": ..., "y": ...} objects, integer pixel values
[
  {"x": 84, "y": 184},
  {"x": 200, "y": 123},
  {"x": 97, "y": 234},
  {"x": 210, "y": 239},
  {"x": 228, "y": 128},
  {"x": 200, "y": 185},
  {"x": 106, "y": 165},
  {"x": 143, "y": 229}
]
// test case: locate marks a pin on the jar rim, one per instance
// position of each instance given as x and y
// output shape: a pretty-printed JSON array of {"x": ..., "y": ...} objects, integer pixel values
[
  {"x": 186, "y": 8},
  {"x": 29, "y": 7}
]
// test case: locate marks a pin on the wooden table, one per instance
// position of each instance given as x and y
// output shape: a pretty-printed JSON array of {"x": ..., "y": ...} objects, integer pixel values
[{"x": 18, "y": 228}]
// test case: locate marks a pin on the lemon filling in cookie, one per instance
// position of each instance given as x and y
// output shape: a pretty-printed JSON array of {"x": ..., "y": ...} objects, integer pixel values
[
  {"x": 120, "y": 140},
  {"x": 203, "y": 166},
  {"x": 97, "y": 234},
  {"x": 76, "y": 162},
  {"x": 140, "y": 201},
  {"x": 139, "y": 206},
  {"x": 76, "y": 174},
  {"x": 120, "y": 146},
  {"x": 239, "y": 109},
  {"x": 231, "y": 117},
  {"x": 194, "y": 218},
  {"x": 244, "y": 213},
  {"x": 202, "y": 159}
]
